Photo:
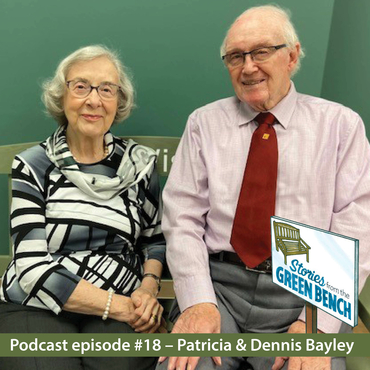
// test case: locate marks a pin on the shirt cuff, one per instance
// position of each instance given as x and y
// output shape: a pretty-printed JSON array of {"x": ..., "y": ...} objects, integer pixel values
[{"x": 193, "y": 290}]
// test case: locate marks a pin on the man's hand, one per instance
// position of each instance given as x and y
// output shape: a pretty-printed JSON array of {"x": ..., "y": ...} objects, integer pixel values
[
  {"x": 201, "y": 318},
  {"x": 302, "y": 363}
]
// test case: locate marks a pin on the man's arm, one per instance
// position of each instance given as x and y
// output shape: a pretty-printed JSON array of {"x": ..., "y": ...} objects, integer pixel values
[
  {"x": 350, "y": 217},
  {"x": 351, "y": 211},
  {"x": 186, "y": 205}
]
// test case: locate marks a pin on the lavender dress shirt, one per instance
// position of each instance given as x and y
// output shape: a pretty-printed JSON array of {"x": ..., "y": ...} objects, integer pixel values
[{"x": 323, "y": 181}]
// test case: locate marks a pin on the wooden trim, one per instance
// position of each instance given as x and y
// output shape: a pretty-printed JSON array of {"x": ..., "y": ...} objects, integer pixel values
[
  {"x": 311, "y": 318},
  {"x": 4, "y": 262},
  {"x": 167, "y": 291}
]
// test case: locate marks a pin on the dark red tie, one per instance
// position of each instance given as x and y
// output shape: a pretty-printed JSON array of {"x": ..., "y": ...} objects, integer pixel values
[{"x": 251, "y": 233}]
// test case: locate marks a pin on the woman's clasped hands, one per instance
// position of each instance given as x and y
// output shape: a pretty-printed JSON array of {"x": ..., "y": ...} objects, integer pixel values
[{"x": 148, "y": 310}]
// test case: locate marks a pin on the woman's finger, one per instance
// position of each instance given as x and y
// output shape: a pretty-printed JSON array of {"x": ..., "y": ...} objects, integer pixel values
[
  {"x": 154, "y": 321},
  {"x": 161, "y": 327},
  {"x": 152, "y": 307}
]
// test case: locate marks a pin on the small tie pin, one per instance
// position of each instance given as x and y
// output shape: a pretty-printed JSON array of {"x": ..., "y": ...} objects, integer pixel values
[{"x": 265, "y": 136}]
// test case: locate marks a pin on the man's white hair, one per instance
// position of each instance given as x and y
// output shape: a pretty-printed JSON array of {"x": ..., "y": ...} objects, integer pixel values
[{"x": 280, "y": 15}]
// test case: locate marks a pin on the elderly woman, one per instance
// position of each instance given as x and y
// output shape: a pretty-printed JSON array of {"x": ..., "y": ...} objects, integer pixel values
[{"x": 85, "y": 220}]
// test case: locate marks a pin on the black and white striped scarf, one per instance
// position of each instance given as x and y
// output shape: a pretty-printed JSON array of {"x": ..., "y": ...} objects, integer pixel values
[{"x": 137, "y": 161}]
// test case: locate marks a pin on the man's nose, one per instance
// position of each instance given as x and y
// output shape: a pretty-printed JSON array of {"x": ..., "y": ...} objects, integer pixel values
[{"x": 249, "y": 66}]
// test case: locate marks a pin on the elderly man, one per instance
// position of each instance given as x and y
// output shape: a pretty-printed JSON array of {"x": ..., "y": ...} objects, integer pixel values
[{"x": 303, "y": 158}]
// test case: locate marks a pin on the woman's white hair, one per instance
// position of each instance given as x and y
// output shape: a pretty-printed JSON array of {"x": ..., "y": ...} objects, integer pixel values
[
  {"x": 54, "y": 88},
  {"x": 278, "y": 14}
]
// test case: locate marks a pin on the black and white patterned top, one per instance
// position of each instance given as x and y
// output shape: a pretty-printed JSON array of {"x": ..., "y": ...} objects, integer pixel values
[{"x": 62, "y": 234}]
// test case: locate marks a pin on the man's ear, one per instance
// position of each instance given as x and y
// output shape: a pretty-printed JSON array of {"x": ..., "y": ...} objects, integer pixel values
[{"x": 294, "y": 56}]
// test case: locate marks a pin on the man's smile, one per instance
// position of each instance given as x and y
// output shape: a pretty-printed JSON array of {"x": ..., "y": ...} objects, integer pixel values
[{"x": 252, "y": 82}]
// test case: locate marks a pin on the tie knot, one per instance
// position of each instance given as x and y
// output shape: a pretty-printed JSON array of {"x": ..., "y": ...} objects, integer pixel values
[{"x": 267, "y": 118}]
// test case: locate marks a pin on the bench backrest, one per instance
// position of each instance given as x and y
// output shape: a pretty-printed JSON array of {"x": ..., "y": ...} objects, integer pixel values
[{"x": 285, "y": 231}]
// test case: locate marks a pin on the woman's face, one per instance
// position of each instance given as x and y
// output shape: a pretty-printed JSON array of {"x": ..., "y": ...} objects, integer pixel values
[{"x": 91, "y": 116}]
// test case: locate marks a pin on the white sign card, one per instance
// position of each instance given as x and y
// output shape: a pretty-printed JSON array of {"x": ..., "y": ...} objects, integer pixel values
[{"x": 319, "y": 266}]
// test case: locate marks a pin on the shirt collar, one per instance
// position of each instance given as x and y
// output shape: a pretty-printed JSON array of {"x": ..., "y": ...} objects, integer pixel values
[{"x": 282, "y": 111}]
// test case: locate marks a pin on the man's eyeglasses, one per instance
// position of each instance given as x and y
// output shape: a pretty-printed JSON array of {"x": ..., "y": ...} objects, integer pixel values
[
  {"x": 81, "y": 89},
  {"x": 259, "y": 55}
]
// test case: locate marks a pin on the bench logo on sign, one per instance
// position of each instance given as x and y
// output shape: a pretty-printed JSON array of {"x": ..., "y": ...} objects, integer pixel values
[{"x": 289, "y": 242}]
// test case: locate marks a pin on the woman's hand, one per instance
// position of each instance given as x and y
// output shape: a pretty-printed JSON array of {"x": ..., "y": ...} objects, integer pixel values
[
  {"x": 123, "y": 309},
  {"x": 91, "y": 300},
  {"x": 148, "y": 309}
]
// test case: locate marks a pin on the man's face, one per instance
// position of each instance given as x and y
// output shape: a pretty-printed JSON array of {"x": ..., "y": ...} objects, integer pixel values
[{"x": 261, "y": 85}]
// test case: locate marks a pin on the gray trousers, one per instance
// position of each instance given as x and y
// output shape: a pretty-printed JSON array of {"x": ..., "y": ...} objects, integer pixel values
[
  {"x": 15, "y": 318},
  {"x": 249, "y": 302}
]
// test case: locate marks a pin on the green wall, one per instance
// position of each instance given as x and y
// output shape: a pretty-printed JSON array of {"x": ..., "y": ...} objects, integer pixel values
[
  {"x": 347, "y": 77},
  {"x": 171, "y": 47}
]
